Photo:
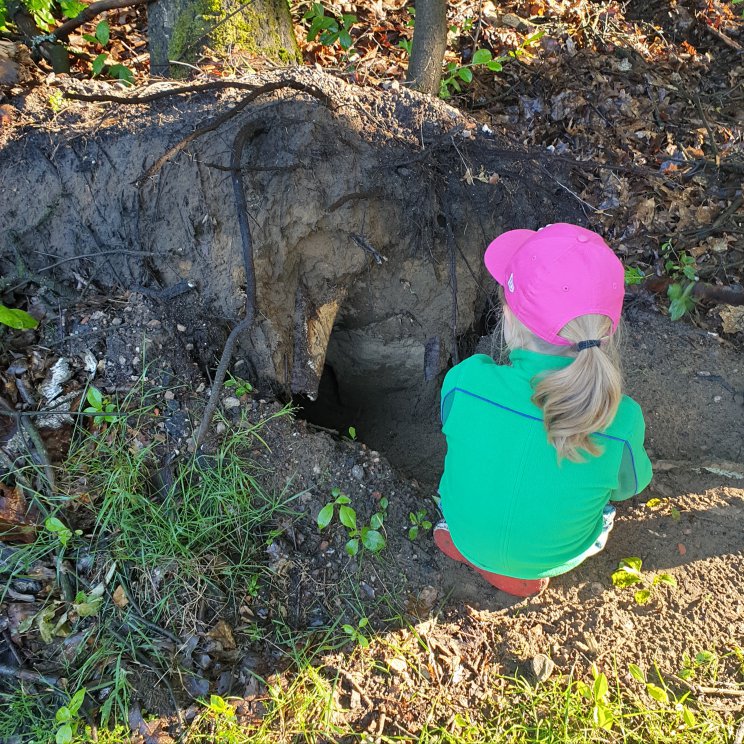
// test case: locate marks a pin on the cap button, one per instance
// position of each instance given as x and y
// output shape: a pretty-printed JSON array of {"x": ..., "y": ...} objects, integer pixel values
[{"x": 582, "y": 238}]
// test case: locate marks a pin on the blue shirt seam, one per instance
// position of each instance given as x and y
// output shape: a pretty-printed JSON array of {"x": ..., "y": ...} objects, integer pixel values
[{"x": 625, "y": 442}]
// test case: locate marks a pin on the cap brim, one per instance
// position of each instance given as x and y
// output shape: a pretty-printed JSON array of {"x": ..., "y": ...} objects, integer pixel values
[{"x": 499, "y": 253}]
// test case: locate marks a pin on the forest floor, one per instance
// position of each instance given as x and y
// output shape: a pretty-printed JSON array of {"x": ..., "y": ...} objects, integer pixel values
[{"x": 196, "y": 596}]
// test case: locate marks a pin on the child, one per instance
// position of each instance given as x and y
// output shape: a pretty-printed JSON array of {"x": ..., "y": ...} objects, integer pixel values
[{"x": 536, "y": 450}]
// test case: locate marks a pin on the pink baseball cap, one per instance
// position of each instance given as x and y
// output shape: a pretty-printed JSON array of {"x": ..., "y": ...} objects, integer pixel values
[{"x": 555, "y": 274}]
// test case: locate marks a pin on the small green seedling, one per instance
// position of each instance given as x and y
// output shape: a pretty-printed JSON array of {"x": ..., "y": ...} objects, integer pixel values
[
  {"x": 681, "y": 300},
  {"x": 703, "y": 661},
  {"x": 367, "y": 536},
  {"x": 329, "y": 29},
  {"x": 598, "y": 695},
  {"x": 678, "y": 263},
  {"x": 418, "y": 522},
  {"x": 220, "y": 708},
  {"x": 629, "y": 574},
  {"x": 87, "y": 605},
  {"x": 240, "y": 386},
  {"x": 102, "y": 35},
  {"x": 633, "y": 275},
  {"x": 661, "y": 695},
  {"x": 67, "y": 719},
  {"x": 98, "y": 404},
  {"x": 355, "y": 634},
  {"x": 64, "y": 534},
  {"x": 18, "y": 319},
  {"x": 352, "y": 433}
]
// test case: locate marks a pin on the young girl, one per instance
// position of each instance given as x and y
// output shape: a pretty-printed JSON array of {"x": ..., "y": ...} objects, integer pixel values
[{"x": 537, "y": 449}]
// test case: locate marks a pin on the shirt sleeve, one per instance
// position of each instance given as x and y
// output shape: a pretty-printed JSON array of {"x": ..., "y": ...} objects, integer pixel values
[{"x": 635, "y": 467}]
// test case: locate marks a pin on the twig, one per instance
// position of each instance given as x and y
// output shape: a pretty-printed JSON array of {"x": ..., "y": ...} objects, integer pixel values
[
  {"x": 725, "y": 38},
  {"x": 26, "y": 675},
  {"x": 366, "y": 246},
  {"x": 701, "y": 291},
  {"x": 705, "y": 690},
  {"x": 711, "y": 137},
  {"x": 119, "y": 251},
  {"x": 92, "y": 11},
  {"x": 226, "y": 116},
  {"x": 150, "y": 97},
  {"x": 350, "y": 197}
]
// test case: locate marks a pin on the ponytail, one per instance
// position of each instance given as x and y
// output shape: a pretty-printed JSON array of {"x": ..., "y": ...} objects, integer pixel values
[{"x": 582, "y": 398}]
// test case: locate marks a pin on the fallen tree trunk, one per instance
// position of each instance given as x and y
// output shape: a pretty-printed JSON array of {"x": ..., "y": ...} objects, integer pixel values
[{"x": 350, "y": 201}]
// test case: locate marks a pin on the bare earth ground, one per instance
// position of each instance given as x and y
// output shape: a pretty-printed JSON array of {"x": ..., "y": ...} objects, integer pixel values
[{"x": 410, "y": 592}]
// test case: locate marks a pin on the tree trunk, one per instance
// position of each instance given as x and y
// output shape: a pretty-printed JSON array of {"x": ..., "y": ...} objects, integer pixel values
[
  {"x": 180, "y": 29},
  {"x": 429, "y": 45}
]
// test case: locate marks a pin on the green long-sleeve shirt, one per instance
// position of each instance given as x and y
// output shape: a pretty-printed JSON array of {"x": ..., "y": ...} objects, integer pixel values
[{"x": 511, "y": 507}]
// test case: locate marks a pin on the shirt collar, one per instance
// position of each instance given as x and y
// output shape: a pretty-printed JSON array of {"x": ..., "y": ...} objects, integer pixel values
[{"x": 531, "y": 363}]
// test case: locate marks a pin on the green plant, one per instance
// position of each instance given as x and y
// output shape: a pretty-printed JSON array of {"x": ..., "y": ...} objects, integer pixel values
[
  {"x": 678, "y": 263},
  {"x": 662, "y": 694},
  {"x": 18, "y": 319},
  {"x": 238, "y": 385},
  {"x": 352, "y": 433},
  {"x": 329, "y": 29},
  {"x": 101, "y": 37},
  {"x": 455, "y": 74},
  {"x": 702, "y": 661},
  {"x": 355, "y": 634},
  {"x": 681, "y": 299},
  {"x": 43, "y": 11},
  {"x": 629, "y": 574},
  {"x": 603, "y": 715},
  {"x": 56, "y": 101},
  {"x": 98, "y": 404},
  {"x": 56, "y": 527},
  {"x": 633, "y": 275},
  {"x": 367, "y": 536},
  {"x": 418, "y": 522},
  {"x": 68, "y": 720}
]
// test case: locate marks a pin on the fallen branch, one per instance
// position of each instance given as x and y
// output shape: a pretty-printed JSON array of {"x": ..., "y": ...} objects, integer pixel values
[
  {"x": 93, "y": 10},
  {"x": 26, "y": 675}
]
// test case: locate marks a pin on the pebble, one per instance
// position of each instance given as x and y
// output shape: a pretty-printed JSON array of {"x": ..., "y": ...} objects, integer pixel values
[
  {"x": 229, "y": 403},
  {"x": 116, "y": 321},
  {"x": 717, "y": 398},
  {"x": 154, "y": 323},
  {"x": 220, "y": 428},
  {"x": 357, "y": 472},
  {"x": 180, "y": 328},
  {"x": 169, "y": 395}
]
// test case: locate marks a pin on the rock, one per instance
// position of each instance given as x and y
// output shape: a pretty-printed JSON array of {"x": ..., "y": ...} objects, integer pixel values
[
  {"x": 542, "y": 667},
  {"x": 180, "y": 328},
  {"x": 398, "y": 664},
  {"x": 230, "y": 403},
  {"x": 358, "y": 472}
]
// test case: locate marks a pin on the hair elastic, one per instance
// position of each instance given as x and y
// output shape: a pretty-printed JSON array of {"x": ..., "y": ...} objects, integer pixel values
[{"x": 588, "y": 344}]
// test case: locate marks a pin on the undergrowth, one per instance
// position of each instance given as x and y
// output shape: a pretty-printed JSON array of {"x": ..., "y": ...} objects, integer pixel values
[{"x": 138, "y": 550}]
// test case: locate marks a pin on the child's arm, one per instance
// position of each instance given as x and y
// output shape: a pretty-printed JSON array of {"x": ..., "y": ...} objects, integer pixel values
[{"x": 635, "y": 467}]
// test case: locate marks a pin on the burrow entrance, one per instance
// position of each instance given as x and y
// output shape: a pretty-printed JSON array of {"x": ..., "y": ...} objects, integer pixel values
[{"x": 384, "y": 392}]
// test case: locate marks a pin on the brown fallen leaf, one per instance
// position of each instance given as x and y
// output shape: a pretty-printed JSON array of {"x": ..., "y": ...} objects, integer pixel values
[
  {"x": 120, "y": 597},
  {"x": 681, "y": 548},
  {"x": 222, "y": 633},
  {"x": 16, "y": 520}
]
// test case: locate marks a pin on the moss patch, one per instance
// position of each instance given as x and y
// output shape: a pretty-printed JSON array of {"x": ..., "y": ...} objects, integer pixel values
[{"x": 262, "y": 28}]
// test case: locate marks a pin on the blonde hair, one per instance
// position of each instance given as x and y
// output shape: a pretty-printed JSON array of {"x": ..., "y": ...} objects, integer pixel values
[{"x": 582, "y": 398}]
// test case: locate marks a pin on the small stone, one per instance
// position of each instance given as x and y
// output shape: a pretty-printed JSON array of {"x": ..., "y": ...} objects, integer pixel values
[
  {"x": 717, "y": 398},
  {"x": 116, "y": 321},
  {"x": 169, "y": 395},
  {"x": 180, "y": 328},
  {"x": 230, "y": 403},
  {"x": 398, "y": 664},
  {"x": 542, "y": 667},
  {"x": 597, "y": 588},
  {"x": 154, "y": 323},
  {"x": 324, "y": 546},
  {"x": 316, "y": 469},
  {"x": 220, "y": 428},
  {"x": 189, "y": 347},
  {"x": 357, "y": 472}
]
